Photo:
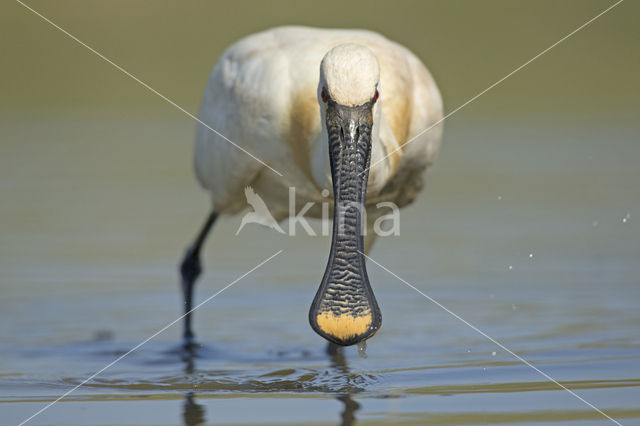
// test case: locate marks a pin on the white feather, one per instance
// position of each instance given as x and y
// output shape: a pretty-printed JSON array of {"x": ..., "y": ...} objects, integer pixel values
[{"x": 263, "y": 94}]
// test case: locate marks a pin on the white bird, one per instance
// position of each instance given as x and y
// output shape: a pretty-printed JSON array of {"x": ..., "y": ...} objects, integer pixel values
[
  {"x": 318, "y": 106},
  {"x": 260, "y": 213}
]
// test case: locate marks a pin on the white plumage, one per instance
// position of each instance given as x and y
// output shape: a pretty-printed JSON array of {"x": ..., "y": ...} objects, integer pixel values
[{"x": 264, "y": 94}]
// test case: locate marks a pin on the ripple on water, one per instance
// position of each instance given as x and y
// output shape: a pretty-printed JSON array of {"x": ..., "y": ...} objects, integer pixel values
[{"x": 203, "y": 368}]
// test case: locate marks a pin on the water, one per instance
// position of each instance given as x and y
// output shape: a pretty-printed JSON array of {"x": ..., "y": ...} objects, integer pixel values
[{"x": 520, "y": 232}]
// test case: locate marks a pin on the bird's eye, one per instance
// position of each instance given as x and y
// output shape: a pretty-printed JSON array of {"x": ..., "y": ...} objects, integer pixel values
[
  {"x": 376, "y": 96},
  {"x": 324, "y": 95}
]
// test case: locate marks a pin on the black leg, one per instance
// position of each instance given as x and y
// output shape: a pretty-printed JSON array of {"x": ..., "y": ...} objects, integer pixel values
[{"x": 190, "y": 270}]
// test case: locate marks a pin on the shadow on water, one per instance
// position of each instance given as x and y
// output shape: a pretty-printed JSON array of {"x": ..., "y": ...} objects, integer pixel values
[{"x": 195, "y": 414}]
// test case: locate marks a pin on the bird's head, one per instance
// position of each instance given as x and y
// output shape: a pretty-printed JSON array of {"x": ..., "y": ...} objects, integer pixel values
[
  {"x": 349, "y": 76},
  {"x": 345, "y": 310},
  {"x": 348, "y": 90}
]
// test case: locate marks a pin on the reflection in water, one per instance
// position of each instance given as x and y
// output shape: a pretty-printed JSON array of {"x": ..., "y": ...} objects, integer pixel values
[
  {"x": 350, "y": 407},
  {"x": 192, "y": 413},
  {"x": 339, "y": 363}
]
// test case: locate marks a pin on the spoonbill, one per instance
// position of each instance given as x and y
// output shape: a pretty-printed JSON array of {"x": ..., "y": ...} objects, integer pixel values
[{"x": 338, "y": 115}]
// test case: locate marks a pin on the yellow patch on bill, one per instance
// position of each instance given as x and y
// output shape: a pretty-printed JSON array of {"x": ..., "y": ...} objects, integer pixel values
[{"x": 345, "y": 326}]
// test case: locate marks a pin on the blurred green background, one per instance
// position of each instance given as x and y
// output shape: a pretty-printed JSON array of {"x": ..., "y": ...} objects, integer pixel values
[{"x": 172, "y": 45}]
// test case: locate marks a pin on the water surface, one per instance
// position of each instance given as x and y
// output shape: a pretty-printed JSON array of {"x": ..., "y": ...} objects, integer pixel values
[{"x": 528, "y": 232}]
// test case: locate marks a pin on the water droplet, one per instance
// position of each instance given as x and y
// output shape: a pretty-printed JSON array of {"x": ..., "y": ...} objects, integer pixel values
[
  {"x": 530, "y": 255},
  {"x": 510, "y": 267},
  {"x": 493, "y": 353},
  {"x": 362, "y": 349},
  {"x": 594, "y": 223},
  {"x": 626, "y": 217},
  {"x": 499, "y": 197}
]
